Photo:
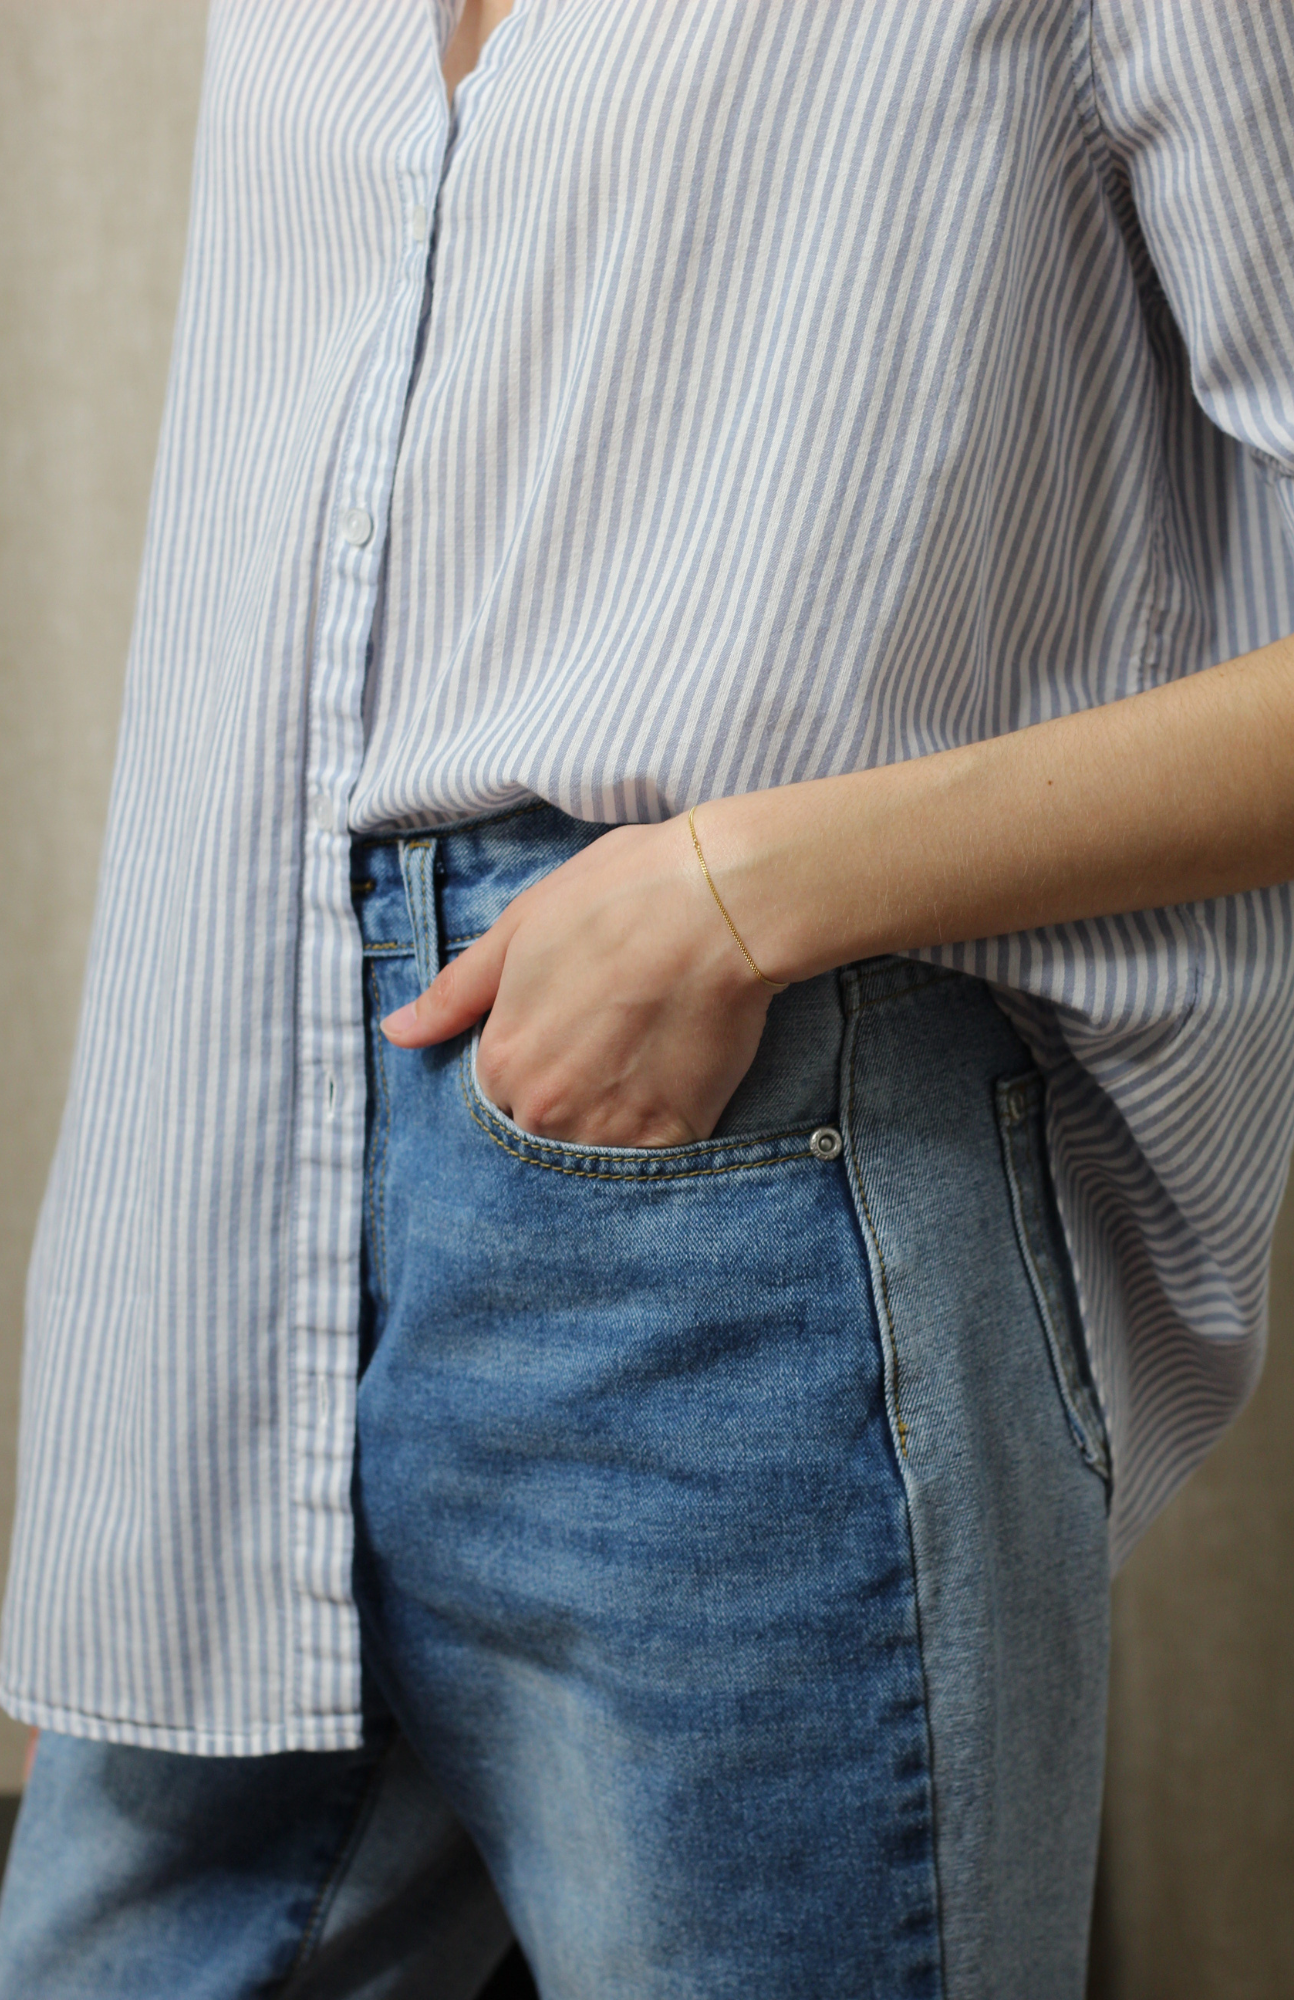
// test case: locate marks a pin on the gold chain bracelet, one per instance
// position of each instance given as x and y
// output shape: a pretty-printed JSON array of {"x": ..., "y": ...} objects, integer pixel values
[{"x": 778, "y": 987}]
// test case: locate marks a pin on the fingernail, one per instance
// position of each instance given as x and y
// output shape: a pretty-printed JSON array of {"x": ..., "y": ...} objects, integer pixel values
[{"x": 398, "y": 1023}]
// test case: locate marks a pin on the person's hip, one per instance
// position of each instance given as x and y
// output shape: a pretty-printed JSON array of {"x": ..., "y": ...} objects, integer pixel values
[{"x": 683, "y": 1470}]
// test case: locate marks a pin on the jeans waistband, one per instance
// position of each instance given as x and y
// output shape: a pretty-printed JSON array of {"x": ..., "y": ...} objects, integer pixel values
[
  {"x": 438, "y": 889},
  {"x": 433, "y": 891}
]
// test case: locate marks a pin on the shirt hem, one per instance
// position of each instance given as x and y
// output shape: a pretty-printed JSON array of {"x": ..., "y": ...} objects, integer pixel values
[{"x": 323, "y": 1732}]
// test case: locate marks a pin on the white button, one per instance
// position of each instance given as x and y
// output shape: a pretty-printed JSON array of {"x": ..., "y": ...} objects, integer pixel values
[
  {"x": 323, "y": 812},
  {"x": 357, "y": 525},
  {"x": 420, "y": 224}
]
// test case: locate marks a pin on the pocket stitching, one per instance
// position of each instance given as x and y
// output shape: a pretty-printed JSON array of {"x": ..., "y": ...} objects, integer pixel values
[
  {"x": 647, "y": 1170},
  {"x": 1081, "y": 1410},
  {"x": 874, "y": 1235},
  {"x": 378, "y": 1163}
]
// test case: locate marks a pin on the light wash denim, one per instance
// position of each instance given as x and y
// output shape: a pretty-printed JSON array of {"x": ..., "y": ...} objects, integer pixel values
[{"x": 731, "y": 1547}]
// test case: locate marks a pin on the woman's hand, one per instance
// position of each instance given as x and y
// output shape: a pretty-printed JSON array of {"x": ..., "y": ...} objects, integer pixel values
[
  {"x": 624, "y": 1013},
  {"x": 621, "y": 1012}
]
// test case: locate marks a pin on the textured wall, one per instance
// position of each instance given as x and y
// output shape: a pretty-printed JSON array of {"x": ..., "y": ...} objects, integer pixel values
[
  {"x": 97, "y": 102},
  {"x": 97, "y": 106},
  {"x": 1196, "y": 1899}
]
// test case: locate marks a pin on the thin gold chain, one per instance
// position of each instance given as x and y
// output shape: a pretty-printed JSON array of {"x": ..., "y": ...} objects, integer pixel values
[{"x": 778, "y": 987}]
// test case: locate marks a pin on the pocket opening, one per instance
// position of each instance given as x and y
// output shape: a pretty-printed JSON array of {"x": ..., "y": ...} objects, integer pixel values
[
  {"x": 1019, "y": 1104},
  {"x": 591, "y": 1162}
]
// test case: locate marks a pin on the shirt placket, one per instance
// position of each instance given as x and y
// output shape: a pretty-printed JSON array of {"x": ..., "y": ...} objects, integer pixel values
[{"x": 329, "y": 1131}]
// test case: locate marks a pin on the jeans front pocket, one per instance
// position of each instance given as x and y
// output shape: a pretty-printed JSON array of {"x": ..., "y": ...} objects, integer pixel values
[
  {"x": 1020, "y": 1116},
  {"x": 698, "y": 1158},
  {"x": 785, "y": 1107}
]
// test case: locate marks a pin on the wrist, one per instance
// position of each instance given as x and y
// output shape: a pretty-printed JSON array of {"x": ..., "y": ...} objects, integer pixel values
[
  {"x": 776, "y": 859},
  {"x": 756, "y": 971}
]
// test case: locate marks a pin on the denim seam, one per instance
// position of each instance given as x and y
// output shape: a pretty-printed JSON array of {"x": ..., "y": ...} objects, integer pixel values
[
  {"x": 890, "y": 1341},
  {"x": 377, "y": 1171},
  {"x": 848, "y": 1121},
  {"x": 582, "y": 1173},
  {"x": 341, "y": 1861},
  {"x": 1013, "y": 1125},
  {"x": 905, "y": 978}
]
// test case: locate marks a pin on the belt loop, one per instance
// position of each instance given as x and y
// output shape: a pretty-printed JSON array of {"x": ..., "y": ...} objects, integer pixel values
[{"x": 418, "y": 867}]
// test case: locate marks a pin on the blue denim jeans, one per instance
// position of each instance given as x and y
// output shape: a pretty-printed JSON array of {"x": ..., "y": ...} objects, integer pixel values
[{"x": 730, "y": 1546}]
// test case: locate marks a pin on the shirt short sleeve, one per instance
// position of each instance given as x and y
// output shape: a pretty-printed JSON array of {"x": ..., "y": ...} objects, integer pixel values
[{"x": 1195, "y": 105}]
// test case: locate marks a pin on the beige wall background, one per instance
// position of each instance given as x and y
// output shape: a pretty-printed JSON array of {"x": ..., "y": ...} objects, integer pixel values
[{"x": 97, "y": 106}]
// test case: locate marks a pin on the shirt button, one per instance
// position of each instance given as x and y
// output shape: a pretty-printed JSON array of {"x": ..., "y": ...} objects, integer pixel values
[
  {"x": 357, "y": 526},
  {"x": 323, "y": 813}
]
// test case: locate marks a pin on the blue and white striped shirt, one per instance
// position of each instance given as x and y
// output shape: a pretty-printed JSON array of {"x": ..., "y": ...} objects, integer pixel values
[{"x": 729, "y": 394}]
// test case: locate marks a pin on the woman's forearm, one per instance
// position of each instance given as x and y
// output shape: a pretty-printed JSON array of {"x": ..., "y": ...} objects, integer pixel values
[
  {"x": 1186, "y": 791},
  {"x": 621, "y": 1012}
]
